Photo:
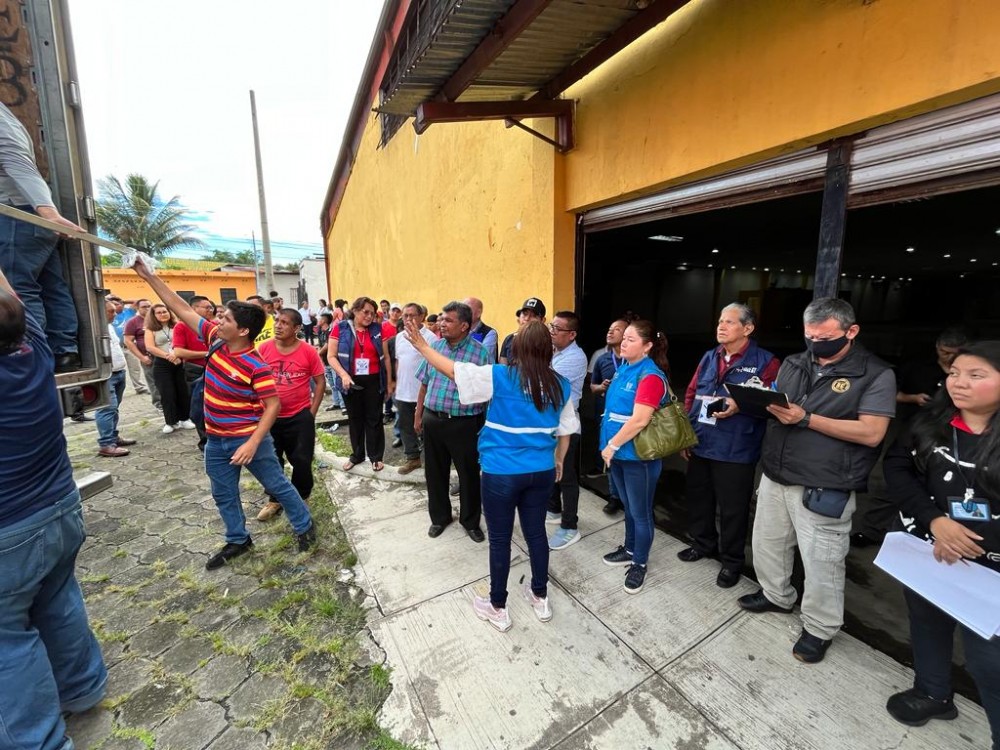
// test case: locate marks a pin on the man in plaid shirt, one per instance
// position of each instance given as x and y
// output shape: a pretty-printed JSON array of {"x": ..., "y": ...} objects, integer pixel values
[{"x": 451, "y": 429}]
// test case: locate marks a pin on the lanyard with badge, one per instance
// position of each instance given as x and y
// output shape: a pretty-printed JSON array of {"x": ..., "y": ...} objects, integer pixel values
[
  {"x": 361, "y": 363},
  {"x": 969, "y": 508}
]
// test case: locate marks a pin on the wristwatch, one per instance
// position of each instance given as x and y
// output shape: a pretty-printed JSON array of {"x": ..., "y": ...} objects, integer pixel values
[{"x": 804, "y": 422}]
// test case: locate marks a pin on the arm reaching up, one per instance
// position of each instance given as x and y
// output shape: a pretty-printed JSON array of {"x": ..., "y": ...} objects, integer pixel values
[{"x": 170, "y": 298}]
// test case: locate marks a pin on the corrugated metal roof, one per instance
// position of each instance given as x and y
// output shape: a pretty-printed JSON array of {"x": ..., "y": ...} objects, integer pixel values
[{"x": 445, "y": 33}]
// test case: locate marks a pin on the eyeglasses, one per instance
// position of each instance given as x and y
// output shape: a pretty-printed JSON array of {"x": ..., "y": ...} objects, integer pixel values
[{"x": 557, "y": 329}]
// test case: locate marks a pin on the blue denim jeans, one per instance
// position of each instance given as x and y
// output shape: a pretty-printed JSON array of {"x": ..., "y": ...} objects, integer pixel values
[
  {"x": 225, "y": 479},
  {"x": 50, "y": 661},
  {"x": 30, "y": 260},
  {"x": 336, "y": 396},
  {"x": 636, "y": 483},
  {"x": 528, "y": 494},
  {"x": 932, "y": 633},
  {"x": 107, "y": 416}
]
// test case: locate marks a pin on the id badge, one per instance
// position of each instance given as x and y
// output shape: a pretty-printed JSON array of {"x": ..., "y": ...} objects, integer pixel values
[
  {"x": 969, "y": 509},
  {"x": 361, "y": 366},
  {"x": 703, "y": 415}
]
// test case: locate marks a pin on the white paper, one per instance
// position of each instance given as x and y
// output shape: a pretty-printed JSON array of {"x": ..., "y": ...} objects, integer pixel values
[{"x": 968, "y": 592}]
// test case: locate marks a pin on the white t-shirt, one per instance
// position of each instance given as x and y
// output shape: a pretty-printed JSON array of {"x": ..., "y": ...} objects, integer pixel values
[
  {"x": 408, "y": 360},
  {"x": 475, "y": 385},
  {"x": 306, "y": 317},
  {"x": 117, "y": 355}
]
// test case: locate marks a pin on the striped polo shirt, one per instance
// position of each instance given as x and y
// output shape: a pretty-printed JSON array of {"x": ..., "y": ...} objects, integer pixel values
[{"x": 235, "y": 385}]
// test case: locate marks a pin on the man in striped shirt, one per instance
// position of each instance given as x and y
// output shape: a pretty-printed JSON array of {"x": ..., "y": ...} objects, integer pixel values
[{"x": 241, "y": 404}]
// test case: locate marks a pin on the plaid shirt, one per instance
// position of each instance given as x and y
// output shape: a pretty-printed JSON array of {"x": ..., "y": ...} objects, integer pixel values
[{"x": 442, "y": 394}]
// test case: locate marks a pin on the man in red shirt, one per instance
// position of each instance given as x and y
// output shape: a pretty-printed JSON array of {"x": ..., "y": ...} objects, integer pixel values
[
  {"x": 300, "y": 380},
  {"x": 192, "y": 350}
]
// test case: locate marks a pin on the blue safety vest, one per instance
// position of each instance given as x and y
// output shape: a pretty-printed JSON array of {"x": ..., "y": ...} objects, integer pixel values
[
  {"x": 346, "y": 337},
  {"x": 517, "y": 438},
  {"x": 737, "y": 438},
  {"x": 620, "y": 402}
]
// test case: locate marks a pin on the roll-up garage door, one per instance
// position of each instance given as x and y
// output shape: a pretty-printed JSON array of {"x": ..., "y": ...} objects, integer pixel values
[
  {"x": 794, "y": 173},
  {"x": 955, "y": 148}
]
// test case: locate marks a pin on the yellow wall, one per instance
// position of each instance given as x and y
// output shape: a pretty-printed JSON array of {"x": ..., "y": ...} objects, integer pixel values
[
  {"x": 462, "y": 210},
  {"x": 125, "y": 284},
  {"x": 722, "y": 84},
  {"x": 478, "y": 209}
]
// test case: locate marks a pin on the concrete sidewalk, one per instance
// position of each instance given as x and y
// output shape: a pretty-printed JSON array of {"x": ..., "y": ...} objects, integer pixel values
[{"x": 677, "y": 666}]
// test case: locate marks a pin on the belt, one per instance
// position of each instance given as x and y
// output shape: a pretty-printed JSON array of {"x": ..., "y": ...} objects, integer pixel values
[{"x": 446, "y": 415}]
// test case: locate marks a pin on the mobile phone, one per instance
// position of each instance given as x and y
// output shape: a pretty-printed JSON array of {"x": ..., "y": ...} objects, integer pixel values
[
  {"x": 715, "y": 407},
  {"x": 356, "y": 387}
]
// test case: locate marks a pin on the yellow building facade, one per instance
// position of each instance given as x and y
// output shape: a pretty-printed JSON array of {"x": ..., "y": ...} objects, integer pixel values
[
  {"x": 475, "y": 208},
  {"x": 218, "y": 286}
]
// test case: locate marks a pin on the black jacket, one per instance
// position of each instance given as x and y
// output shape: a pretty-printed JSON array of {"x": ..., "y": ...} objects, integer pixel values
[
  {"x": 923, "y": 496},
  {"x": 792, "y": 455}
]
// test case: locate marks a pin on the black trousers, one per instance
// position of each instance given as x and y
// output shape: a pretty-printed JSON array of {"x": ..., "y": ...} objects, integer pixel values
[
  {"x": 724, "y": 487},
  {"x": 411, "y": 441},
  {"x": 565, "y": 497},
  {"x": 191, "y": 374},
  {"x": 295, "y": 439},
  {"x": 448, "y": 441},
  {"x": 364, "y": 420},
  {"x": 174, "y": 394}
]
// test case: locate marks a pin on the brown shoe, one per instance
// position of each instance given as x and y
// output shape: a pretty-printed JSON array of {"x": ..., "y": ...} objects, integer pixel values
[
  {"x": 112, "y": 451},
  {"x": 410, "y": 465},
  {"x": 125, "y": 442},
  {"x": 269, "y": 511}
]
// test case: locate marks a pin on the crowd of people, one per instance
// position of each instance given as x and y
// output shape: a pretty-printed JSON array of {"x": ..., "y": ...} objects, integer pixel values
[{"x": 505, "y": 415}]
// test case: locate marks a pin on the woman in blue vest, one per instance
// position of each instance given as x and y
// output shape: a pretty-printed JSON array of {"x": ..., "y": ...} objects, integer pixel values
[
  {"x": 521, "y": 451},
  {"x": 360, "y": 359},
  {"x": 638, "y": 388}
]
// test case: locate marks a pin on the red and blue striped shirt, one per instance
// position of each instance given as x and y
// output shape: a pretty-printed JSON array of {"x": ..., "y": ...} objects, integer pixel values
[{"x": 235, "y": 386}]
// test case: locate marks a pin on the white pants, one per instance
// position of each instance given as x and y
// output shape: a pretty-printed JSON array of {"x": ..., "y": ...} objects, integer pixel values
[{"x": 782, "y": 522}]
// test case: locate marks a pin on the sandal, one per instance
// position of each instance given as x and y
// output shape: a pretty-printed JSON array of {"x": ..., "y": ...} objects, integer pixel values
[
  {"x": 377, "y": 466},
  {"x": 349, "y": 465}
]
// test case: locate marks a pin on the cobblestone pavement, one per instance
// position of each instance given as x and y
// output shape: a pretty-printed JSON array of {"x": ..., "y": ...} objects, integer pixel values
[{"x": 269, "y": 651}]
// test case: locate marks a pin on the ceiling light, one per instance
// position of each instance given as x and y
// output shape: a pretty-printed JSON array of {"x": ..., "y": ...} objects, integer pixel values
[
  {"x": 946, "y": 255},
  {"x": 798, "y": 270},
  {"x": 998, "y": 231},
  {"x": 767, "y": 269},
  {"x": 734, "y": 267},
  {"x": 909, "y": 278},
  {"x": 843, "y": 275},
  {"x": 715, "y": 250},
  {"x": 666, "y": 238},
  {"x": 782, "y": 270},
  {"x": 972, "y": 260},
  {"x": 753, "y": 268},
  {"x": 682, "y": 268},
  {"x": 710, "y": 265},
  {"x": 910, "y": 250}
]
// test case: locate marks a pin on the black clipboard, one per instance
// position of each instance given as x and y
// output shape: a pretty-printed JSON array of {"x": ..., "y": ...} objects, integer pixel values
[{"x": 753, "y": 401}]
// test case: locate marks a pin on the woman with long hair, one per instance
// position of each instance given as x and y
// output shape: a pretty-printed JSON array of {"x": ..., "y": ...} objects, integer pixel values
[
  {"x": 360, "y": 359},
  {"x": 638, "y": 388},
  {"x": 521, "y": 450},
  {"x": 168, "y": 369},
  {"x": 945, "y": 477}
]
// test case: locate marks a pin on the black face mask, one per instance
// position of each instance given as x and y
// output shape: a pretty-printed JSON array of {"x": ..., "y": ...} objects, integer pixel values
[{"x": 825, "y": 349}]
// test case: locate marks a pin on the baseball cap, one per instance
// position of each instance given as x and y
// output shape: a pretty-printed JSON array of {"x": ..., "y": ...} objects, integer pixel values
[
  {"x": 533, "y": 304},
  {"x": 395, "y": 306}
]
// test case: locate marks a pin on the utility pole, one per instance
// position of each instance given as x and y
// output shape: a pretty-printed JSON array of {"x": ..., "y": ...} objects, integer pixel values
[
  {"x": 256, "y": 263},
  {"x": 265, "y": 238}
]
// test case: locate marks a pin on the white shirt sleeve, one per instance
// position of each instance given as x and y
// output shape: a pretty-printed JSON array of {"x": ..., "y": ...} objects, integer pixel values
[
  {"x": 569, "y": 420},
  {"x": 474, "y": 382}
]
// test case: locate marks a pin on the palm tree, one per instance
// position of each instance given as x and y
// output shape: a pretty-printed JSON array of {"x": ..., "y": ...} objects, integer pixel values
[{"x": 134, "y": 215}]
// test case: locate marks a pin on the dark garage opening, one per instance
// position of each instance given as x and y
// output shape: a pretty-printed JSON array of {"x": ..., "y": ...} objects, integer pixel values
[{"x": 910, "y": 268}]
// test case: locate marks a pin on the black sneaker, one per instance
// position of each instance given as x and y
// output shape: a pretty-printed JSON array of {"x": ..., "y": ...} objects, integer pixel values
[
  {"x": 810, "y": 648},
  {"x": 635, "y": 578},
  {"x": 915, "y": 708},
  {"x": 227, "y": 553},
  {"x": 618, "y": 557},
  {"x": 307, "y": 538}
]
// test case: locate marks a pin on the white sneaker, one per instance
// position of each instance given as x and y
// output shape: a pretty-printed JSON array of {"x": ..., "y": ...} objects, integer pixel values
[
  {"x": 187, "y": 424},
  {"x": 167, "y": 429},
  {"x": 562, "y": 538},
  {"x": 541, "y": 606},
  {"x": 498, "y": 618},
  {"x": 553, "y": 518}
]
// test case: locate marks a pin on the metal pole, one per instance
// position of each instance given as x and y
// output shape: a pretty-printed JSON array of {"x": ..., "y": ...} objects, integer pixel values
[
  {"x": 264, "y": 236},
  {"x": 256, "y": 263}
]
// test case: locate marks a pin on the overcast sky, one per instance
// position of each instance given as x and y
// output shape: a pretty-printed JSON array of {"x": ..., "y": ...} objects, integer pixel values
[{"x": 165, "y": 89}]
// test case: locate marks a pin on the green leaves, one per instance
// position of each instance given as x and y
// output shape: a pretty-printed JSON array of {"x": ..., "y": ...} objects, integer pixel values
[{"x": 133, "y": 214}]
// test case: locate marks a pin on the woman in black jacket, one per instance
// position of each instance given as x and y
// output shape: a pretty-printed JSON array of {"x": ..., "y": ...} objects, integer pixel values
[{"x": 945, "y": 478}]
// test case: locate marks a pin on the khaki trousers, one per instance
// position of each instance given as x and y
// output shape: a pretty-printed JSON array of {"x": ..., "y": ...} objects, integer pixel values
[{"x": 782, "y": 522}]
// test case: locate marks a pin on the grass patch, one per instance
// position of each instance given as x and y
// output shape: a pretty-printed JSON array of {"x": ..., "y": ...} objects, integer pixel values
[
  {"x": 119, "y": 553},
  {"x": 100, "y": 578},
  {"x": 334, "y": 443},
  {"x": 383, "y": 741},
  {"x": 144, "y": 736}
]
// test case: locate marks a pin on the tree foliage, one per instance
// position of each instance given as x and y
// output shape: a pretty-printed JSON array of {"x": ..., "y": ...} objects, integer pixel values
[
  {"x": 241, "y": 258},
  {"x": 134, "y": 215}
]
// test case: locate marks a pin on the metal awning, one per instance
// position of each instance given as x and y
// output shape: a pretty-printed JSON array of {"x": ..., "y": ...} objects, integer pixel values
[{"x": 507, "y": 50}]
